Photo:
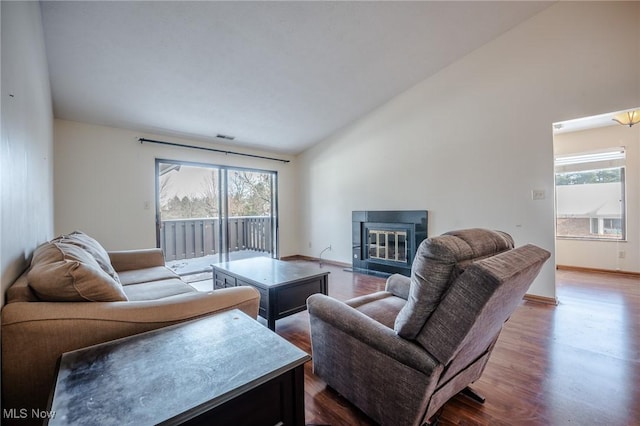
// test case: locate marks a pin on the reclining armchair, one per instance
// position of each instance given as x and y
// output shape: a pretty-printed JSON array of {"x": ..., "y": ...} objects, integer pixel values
[{"x": 402, "y": 353}]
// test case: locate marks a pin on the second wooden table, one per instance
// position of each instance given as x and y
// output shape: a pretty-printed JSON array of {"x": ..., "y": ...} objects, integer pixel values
[{"x": 284, "y": 286}]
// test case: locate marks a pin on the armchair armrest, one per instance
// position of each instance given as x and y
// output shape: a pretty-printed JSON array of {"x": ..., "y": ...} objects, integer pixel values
[
  {"x": 398, "y": 285},
  {"x": 127, "y": 260},
  {"x": 379, "y": 337}
]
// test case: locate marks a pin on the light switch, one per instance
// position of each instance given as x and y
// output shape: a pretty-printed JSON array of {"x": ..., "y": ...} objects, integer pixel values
[{"x": 537, "y": 194}]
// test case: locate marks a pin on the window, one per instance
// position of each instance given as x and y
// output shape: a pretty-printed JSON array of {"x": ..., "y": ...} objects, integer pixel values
[{"x": 590, "y": 195}]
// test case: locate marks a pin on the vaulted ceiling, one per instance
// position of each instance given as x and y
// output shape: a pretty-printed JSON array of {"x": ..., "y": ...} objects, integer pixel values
[{"x": 277, "y": 76}]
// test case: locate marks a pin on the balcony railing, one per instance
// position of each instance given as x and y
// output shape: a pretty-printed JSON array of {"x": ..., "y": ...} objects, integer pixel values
[{"x": 198, "y": 237}]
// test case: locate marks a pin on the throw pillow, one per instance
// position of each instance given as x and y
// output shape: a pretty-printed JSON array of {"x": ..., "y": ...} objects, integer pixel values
[
  {"x": 62, "y": 272},
  {"x": 93, "y": 247}
]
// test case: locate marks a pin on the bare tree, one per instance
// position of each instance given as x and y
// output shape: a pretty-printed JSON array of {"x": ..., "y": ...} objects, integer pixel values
[
  {"x": 249, "y": 193},
  {"x": 210, "y": 193},
  {"x": 165, "y": 183}
]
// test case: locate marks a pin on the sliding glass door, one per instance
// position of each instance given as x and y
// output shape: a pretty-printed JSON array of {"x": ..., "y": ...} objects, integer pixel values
[
  {"x": 250, "y": 211},
  {"x": 207, "y": 214}
]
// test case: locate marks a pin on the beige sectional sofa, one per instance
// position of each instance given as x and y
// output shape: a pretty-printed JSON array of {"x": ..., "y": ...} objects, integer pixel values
[{"x": 75, "y": 294}]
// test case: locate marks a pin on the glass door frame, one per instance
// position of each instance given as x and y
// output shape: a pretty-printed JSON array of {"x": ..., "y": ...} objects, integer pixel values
[{"x": 223, "y": 204}]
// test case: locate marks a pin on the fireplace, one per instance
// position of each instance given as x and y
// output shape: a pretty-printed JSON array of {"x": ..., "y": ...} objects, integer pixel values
[{"x": 385, "y": 242}]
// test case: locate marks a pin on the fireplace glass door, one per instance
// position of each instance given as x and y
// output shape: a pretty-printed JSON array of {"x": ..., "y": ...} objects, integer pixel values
[
  {"x": 386, "y": 245},
  {"x": 385, "y": 241}
]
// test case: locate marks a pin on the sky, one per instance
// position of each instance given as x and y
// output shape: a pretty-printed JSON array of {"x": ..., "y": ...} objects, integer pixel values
[{"x": 188, "y": 181}]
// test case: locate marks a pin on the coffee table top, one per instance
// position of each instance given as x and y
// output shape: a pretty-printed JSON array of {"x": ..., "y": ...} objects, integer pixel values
[
  {"x": 173, "y": 373},
  {"x": 268, "y": 272}
]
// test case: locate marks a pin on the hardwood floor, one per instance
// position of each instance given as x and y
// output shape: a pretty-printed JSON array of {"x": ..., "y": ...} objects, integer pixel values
[{"x": 576, "y": 363}]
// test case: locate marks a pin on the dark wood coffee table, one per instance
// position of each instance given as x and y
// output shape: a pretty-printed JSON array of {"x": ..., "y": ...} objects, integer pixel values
[
  {"x": 284, "y": 286},
  {"x": 225, "y": 369}
]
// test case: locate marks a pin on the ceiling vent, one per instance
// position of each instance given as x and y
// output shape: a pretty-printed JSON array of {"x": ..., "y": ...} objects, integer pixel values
[{"x": 227, "y": 137}]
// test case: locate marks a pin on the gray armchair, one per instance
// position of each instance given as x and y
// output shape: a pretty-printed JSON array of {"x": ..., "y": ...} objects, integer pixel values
[{"x": 400, "y": 354}]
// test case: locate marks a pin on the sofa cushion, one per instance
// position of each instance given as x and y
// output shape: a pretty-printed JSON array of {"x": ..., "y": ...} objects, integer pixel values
[
  {"x": 438, "y": 262},
  {"x": 91, "y": 246},
  {"x": 20, "y": 291},
  {"x": 62, "y": 272},
  {"x": 157, "y": 289},
  {"x": 144, "y": 275}
]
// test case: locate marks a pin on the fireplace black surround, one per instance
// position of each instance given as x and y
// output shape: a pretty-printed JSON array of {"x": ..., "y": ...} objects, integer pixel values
[{"x": 385, "y": 242}]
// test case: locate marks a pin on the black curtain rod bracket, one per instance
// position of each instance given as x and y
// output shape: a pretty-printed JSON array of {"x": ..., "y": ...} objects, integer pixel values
[{"x": 142, "y": 140}]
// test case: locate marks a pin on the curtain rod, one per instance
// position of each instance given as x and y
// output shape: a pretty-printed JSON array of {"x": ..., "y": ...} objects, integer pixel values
[{"x": 142, "y": 140}]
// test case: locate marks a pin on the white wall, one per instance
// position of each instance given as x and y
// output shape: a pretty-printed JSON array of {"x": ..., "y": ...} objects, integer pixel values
[
  {"x": 26, "y": 147},
  {"x": 104, "y": 177},
  {"x": 26, "y": 171},
  {"x": 604, "y": 254},
  {"x": 470, "y": 143}
]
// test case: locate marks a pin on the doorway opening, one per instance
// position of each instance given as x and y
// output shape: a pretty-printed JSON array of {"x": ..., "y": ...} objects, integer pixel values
[
  {"x": 597, "y": 204},
  {"x": 208, "y": 214}
]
